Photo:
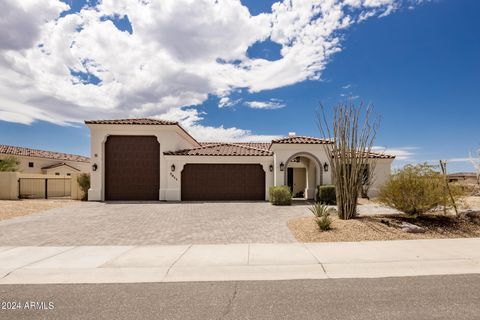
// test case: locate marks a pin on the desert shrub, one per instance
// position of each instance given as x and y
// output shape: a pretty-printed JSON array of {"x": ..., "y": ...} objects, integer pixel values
[
  {"x": 322, "y": 216},
  {"x": 280, "y": 195},
  {"x": 326, "y": 195},
  {"x": 84, "y": 182},
  {"x": 9, "y": 163},
  {"x": 417, "y": 189}
]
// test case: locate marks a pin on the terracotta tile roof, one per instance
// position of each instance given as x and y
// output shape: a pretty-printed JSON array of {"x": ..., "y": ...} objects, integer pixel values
[
  {"x": 140, "y": 121},
  {"x": 27, "y": 152},
  {"x": 222, "y": 149},
  {"x": 376, "y": 155},
  {"x": 302, "y": 140},
  {"x": 258, "y": 145},
  {"x": 60, "y": 164},
  {"x": 463, "y": 174}
]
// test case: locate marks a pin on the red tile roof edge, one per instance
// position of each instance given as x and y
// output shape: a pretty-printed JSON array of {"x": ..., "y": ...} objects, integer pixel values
[
  {"x": 36, "y": 153},
  {"x": 184, "y": 152}
]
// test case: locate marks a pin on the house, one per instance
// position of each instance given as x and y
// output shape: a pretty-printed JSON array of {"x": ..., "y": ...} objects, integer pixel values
[
  {"x": 463, "y": 177},
  {"x": 46, "y": 162},
  {"x": 147, "y": 159}
]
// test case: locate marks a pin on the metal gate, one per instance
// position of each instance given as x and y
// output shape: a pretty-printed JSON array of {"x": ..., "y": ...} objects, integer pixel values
[{"x": 44, "y": 188}]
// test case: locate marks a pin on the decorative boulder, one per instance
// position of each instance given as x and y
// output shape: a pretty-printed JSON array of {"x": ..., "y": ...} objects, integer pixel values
[{"x": 411, "y": 228}]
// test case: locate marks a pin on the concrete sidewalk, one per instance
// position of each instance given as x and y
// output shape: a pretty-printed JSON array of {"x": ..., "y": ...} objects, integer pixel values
[{"x": 131, "y": 264}]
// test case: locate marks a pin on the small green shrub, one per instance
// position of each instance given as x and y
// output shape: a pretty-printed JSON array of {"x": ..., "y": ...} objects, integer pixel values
[
  {"x": 322, "y": 216},
  {"x": 327, "y": 195},
  {"x": 9, "y": 164},
  {"x": 280, "y": 195},
  {"x": 417, "y": 189},
  {"x": 84, "y": 183}
]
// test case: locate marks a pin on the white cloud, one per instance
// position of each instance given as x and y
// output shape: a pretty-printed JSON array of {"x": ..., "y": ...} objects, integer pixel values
[
  {"x": 20, "y": 27},
  {"x": 180, "y": 52},
  {"x": 191, "y": 119},
  {"x": 270, "y": 105},
  {"x": 401, "y": 153},
  {"x": 228, "y": 102},
  {"x": 460, "y": 160}
]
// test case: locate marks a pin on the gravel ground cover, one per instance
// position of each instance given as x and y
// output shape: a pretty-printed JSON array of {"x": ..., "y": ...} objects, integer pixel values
[
  {"x": 377, "y": 224},
  {"x": 16, "y": 208}
]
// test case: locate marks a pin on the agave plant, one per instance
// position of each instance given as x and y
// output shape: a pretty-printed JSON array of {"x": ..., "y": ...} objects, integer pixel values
[{"x": 322, "y": 216}]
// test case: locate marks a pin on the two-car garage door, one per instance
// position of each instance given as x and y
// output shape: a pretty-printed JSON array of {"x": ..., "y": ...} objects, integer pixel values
[{"x": 223, "y": 182}]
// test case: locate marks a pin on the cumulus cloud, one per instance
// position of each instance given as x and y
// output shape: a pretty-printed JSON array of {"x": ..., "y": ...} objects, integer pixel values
[
  {"x": 178, "y": 54},
  {"x": 20, "y": 28},
  {"x": 401, "y": 153},
  {"x": 228, "y": 102},
  {"x": 271, "y": 104},
  {"x": 191, "y": 118}
]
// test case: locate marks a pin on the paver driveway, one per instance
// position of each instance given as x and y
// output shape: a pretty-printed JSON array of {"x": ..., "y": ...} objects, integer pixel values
[{"x": 152, "y": 224}]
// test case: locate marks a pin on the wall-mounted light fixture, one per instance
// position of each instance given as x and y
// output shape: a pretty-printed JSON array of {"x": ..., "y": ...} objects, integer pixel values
[
  {"x": 271, "y": 168},
  {"x": 94, "y": 167},
  {"x": 325, "y": 167},
  {"x": 282, "y": 166},
  {"x": 172, "y": 168}
]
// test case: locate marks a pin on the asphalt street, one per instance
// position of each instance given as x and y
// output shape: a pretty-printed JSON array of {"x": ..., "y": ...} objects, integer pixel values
[{"x": 432, "y": 297}]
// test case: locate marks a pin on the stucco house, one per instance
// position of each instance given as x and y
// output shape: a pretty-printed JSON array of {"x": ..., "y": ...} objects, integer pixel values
[
  {"x": 463, "y": 177},
  {"x": 46, "y": 162},
  {"x": 148, "y": 159}
]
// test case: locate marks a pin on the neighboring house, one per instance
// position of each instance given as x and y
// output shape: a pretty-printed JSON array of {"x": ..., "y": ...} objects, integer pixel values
[
  {"x": 463, "y": 177},
  {"x": 147, "y": 159},
  {"x": 46, "y": 162}
]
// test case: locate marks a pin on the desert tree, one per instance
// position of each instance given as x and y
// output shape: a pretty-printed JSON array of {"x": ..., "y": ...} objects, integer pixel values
[
  {"x": 9, "y": 163},
  {"x": 353, "y": 133}
]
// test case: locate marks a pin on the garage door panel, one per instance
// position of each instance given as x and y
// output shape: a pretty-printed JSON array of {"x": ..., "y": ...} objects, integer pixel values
[
  {"x": 132, "y": 168},
  {"x": 223, "y": 182}
]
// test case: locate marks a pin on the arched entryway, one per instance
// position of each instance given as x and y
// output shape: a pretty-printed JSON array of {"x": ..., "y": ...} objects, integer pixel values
[{"x": 303, "y": 173}]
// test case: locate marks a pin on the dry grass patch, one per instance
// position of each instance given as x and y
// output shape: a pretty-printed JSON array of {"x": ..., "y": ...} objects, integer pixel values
[
  {"x": 384, "y": 228},
  {"x": 16, "y": 208},
  {"x": 473, "y": 202}
]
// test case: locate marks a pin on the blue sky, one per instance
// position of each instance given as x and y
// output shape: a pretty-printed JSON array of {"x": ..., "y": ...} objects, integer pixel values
[{"x": 418, "y": 66}]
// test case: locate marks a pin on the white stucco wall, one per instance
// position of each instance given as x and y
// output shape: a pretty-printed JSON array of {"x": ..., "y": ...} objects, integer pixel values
[
  {"x": 170, "y": 137},
  {"x": 39, "y": 163},
  {"x": 173, "y": 138},
  {"x": 282, "y": 152},
  {"x": 382, "y": 172}
]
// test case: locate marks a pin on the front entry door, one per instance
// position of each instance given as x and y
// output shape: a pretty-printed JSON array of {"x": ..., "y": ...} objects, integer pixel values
[{"x": 290, "y": 178}]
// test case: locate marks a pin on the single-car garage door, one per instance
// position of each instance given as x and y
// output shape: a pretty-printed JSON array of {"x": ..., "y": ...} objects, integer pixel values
[
  {"x": 132, "y": 168},
  {"x": 223, "y": 182}
]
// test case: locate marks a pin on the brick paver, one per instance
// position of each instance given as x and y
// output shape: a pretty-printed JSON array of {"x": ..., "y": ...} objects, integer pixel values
[{"x": 152, "y": 224}]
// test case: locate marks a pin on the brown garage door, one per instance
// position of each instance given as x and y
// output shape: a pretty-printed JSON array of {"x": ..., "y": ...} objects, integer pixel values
[
  {"x": 223, "y": 182},
  {"x": 132, "y": 168}
]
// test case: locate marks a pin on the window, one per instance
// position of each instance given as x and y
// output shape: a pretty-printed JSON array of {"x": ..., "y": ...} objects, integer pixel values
[
  {"x": 30, "y": 164},
  {"x": 68, "y": 174},
  {"x": 57, "y": 173}
]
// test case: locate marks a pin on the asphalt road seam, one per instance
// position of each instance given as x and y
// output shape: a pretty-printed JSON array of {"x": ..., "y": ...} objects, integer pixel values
[{"x": 228, "y": 308}]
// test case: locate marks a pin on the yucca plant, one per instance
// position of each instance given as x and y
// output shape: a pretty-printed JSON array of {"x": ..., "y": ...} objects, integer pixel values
[{"x": 322, "y": 216}]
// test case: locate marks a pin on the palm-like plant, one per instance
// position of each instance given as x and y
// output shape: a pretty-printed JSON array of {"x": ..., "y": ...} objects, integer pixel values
[{"x": 322, "y": 216}]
